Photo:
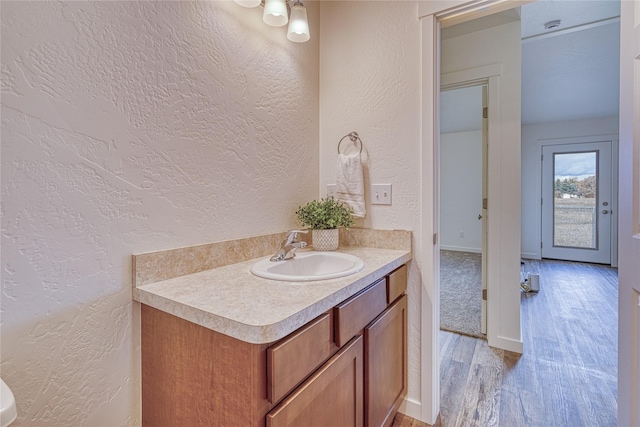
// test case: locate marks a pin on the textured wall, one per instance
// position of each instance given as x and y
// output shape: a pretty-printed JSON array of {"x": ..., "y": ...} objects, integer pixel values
[
  {"x": 370, "y": 80},
  {"x": 126, "y": 128}
]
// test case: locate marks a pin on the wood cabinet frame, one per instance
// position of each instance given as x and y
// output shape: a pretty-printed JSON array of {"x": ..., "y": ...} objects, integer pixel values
[{"x": 192, "y": 375}]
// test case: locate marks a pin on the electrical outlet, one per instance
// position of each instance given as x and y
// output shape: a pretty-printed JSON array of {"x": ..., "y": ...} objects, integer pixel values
[
  {"x": 381, "y": 194},
  {"x": 332, "y": 190},
  {"x": 462, "y": 234}
]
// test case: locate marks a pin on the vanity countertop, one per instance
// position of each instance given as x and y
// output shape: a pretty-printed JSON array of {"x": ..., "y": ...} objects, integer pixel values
[{"x": 232, "y": 301}]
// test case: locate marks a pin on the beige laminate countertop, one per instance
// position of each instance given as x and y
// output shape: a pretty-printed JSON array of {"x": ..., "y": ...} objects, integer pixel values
[{"x": 232, "y": 301}]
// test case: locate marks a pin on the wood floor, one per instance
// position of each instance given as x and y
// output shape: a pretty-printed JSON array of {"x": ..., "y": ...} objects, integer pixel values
[{"x": 567, "y": 374}]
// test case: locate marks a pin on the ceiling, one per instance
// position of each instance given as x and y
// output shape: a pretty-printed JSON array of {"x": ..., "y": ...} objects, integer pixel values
[{"x": 568, "y": 73}]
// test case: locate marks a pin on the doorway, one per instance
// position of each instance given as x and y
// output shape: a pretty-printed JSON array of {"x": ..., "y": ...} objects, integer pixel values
[
  {"x": 577, "y": 201},
  {"x": 432, "y": 18},
  {"x": 463, "y": 187}
]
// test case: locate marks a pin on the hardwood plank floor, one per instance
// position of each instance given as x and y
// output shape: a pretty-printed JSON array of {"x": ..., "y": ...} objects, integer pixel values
[{"x": 567, "y": 375}]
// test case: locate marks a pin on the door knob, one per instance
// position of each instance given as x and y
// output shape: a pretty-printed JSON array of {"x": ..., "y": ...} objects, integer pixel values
[{"x": 604, "y": 211}]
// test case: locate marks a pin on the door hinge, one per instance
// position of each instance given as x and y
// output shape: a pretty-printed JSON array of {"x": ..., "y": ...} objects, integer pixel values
[
  {"x": 540, "y": 245},
  {"x": 484, "y": 203},
  {"x": 485, "y": 112},
  {"x": 484, "y": 294},
  {"x": 435, "y": 238},
  {"x": 542, "y": 157}
]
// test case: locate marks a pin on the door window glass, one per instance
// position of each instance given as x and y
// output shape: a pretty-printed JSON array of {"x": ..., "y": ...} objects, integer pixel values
[{"x": 575, "y": 198}]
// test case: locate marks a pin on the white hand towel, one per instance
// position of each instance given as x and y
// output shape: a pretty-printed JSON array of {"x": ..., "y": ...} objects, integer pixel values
[{"x": 350, "y": 183}]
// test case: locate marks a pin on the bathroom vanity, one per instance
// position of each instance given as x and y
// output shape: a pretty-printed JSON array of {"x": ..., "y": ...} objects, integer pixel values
[{"x": 223, "y": 347}]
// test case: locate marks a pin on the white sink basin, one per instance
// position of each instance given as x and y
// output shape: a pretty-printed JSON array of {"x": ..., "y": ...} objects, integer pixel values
[
  {"x": 309, "y": 266},
  {"x": 8, "y": 412}
]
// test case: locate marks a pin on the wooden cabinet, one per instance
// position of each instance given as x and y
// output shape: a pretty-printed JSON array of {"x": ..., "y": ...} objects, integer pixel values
[
  {"x": 352, "y": 315},
  {"x": 386, "y": 364},
  {"x": 193, "y": 376},
  {"x": 331, "y": 397},
  {"x": 348, "y": 367},
  {"x": 396, "y": 283},
  {"x": 292, "y": 359}
]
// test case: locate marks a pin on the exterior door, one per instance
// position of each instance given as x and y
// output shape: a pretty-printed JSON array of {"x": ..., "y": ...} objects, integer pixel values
[{"x": 577, "y": 202}]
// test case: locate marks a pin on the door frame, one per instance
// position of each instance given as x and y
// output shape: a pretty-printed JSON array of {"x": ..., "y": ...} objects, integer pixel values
[
  {"x": 489, "y": 75},
  {"x": 431, "y": 16},
  {"x": 613, "y": 200},
  {"x": 488, "y": 78},
  {"x": 614, "y": 187}
]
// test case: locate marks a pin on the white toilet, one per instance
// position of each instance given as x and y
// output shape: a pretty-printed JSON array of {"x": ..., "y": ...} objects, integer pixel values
[{"x": 8, "y": 412}]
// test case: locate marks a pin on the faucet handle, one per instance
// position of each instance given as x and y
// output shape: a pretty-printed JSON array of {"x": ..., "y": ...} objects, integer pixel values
[
  {"x": 298, "y": 231},
  {"x": 293, "y": 235}
]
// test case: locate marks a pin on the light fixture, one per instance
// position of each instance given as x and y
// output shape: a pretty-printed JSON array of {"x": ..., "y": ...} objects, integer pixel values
[
  {"x": 276, "y": 14},
  {"x": 298, "y": 24},
  {"x": 248, "y": 3}
]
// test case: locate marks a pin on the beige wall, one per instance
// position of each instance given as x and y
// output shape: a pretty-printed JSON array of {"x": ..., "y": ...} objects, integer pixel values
[
  {"x": 370, "y": 80},
  {"x": 133, "y": 127}
]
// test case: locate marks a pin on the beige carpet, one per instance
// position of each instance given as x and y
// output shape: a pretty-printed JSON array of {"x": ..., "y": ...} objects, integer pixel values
[{"x": 461, "y": 292}]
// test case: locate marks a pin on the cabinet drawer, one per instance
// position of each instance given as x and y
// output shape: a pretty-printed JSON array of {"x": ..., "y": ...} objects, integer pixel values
[
  {"x": 332, "y": 396},
  {"x": 352, "y": 315},
  {"x": 397, "y": 284},
  {"x": 296, "y": 356}
]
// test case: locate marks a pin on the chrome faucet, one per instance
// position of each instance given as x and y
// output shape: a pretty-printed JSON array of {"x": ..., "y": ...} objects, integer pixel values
[{"x": 289, "y": 246}]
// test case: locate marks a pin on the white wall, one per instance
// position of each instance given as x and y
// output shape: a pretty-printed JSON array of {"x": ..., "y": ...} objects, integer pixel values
[
  {"x": 532, "y": 138},
  {"x": 126, "y": 128},
  {"x": 461, "y": 191},
  {"x": 498, "y": 45},
  {"x": 370, "y": 80}
]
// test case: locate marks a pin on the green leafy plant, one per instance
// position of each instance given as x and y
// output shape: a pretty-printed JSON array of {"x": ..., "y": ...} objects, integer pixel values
[{"x": 325, "y": 214}]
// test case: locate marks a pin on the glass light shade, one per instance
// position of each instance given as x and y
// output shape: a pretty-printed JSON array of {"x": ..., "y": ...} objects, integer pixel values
[
  {"x": 248, "y": 3},
  {"x": 298, "y": 25},
  {"x": 275, "y": 13}
]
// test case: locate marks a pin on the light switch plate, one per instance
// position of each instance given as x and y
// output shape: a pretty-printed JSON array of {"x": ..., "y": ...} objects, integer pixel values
[
  {"x": 332, "y": 190},
  {"x": 381, "y": 194}
]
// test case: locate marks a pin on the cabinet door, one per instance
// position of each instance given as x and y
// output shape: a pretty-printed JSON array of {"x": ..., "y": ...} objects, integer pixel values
[
  {"x": 333, "y": 396},
  {"x": 386, "y": 364}
]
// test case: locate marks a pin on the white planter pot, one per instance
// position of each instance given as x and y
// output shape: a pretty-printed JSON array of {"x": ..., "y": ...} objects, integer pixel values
[{"x": 325, "y": 240}]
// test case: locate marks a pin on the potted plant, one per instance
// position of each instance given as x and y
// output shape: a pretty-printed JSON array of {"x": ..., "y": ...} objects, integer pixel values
[{"x": 324, "y": 217}]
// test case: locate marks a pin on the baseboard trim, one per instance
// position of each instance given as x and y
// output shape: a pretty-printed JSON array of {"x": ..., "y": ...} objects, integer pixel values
[
  {"x": 530, "y": 255},
  {"x": 460, "y": 249},
  {"x": 411, "y": 408},
  {"x": 509, "y": 344}
]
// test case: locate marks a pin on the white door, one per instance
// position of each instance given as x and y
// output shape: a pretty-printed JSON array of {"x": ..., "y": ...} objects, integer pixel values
[
  {"x": 577, "y": 202},
  {"x": 629, "y": 218}
]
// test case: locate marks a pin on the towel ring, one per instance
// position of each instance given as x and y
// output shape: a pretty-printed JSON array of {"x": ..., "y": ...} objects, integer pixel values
[{"x": 353, "y": 136}]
